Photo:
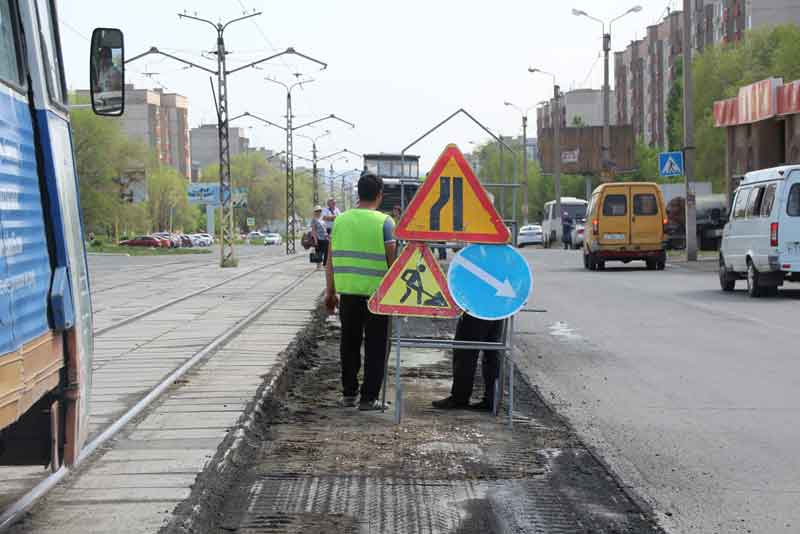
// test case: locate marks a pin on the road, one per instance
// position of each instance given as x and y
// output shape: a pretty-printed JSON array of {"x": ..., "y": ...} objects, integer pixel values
[{"x": 688, "y": 393}]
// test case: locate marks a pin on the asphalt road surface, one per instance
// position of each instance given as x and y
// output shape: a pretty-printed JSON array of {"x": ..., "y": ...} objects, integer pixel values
[{"x": 689, "y": 393}]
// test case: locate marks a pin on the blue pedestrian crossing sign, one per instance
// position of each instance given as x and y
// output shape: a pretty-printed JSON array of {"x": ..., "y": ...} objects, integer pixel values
[
  {"x": 670, "y": 164},
  {"x": 490, "y": 281}
]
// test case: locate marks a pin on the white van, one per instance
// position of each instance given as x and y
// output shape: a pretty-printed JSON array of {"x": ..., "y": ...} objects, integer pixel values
[
  {"x": 551, "y": 221},
  {"x": 761, "y": 242}
]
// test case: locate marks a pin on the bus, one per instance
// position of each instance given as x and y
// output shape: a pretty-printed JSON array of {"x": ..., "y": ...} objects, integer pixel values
[{"x": 46, "y": 340}]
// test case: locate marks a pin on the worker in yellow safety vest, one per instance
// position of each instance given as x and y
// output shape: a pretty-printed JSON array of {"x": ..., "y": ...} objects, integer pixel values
[{"x": 361, "y": 251}]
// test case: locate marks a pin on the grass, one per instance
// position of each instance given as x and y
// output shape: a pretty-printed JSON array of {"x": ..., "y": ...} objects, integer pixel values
[{"x": 145, "y": 251}]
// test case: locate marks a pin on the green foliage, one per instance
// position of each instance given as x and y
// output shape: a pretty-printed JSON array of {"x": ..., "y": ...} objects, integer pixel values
[
  {"x": 266, "y": 185},
  {"x": 675, "y": 109},
  {"x": 577, "y": 121},
  {"x": 718, "y": 73},
  {"x": 167, "y": 203},
  {"x": 494, "y": 168}
]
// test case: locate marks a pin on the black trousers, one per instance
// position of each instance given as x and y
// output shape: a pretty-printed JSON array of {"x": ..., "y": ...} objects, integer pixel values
[
  {"x": 322, "y": 249},
  {"x": 465, "y": 361},
  {"x": 359, "y": 324}
]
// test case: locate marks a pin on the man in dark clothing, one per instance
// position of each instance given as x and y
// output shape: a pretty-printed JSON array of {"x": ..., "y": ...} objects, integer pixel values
[
  {"x": 566, "y": 230},
  {"x": 465, "y": 361}
]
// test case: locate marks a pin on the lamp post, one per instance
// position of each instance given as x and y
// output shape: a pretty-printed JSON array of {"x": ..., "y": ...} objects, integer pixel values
[
  {"x": 524, "y": 114},
  {"x": 606, "y": 148},
  {"x": 556, "y": 114}
]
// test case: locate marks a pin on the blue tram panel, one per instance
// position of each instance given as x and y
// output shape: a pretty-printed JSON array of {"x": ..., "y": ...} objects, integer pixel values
[{"x": 25, "y": 266}]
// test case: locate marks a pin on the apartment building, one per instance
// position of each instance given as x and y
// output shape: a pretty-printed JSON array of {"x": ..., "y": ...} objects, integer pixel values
[{"x": 645, "y": 71}]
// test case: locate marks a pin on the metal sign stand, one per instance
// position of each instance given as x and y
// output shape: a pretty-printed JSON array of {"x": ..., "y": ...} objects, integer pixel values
[{"x": 505, "y": 346}]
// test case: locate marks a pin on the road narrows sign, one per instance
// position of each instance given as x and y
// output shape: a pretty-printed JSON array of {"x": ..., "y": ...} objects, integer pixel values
[
  {"x": 490, "y": 281},
  {"x": 414, "y": 286},
  {"x": 452, "y": 205}
]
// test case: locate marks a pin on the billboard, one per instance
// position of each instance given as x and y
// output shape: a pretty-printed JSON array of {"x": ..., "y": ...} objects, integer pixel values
[{"x": 208, "y": 193}]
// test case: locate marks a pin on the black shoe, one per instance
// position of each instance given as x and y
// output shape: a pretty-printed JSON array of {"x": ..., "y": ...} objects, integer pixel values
[
  {"x": 449, "y": 404},
  {"x": 483, "y": 406}
]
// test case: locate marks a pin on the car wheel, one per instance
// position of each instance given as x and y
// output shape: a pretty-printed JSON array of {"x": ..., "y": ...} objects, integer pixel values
[
  {"x": 753, "y": 289},
  {"x": 726, "y": 281},
  {"x": 601, "y": 265},
  {"x": 651, "y": 265}
]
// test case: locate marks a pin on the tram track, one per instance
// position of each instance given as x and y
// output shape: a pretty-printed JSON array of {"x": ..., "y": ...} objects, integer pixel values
[
  {"x": 155, "y": 309},
  {"x": 17, "y": 509}
]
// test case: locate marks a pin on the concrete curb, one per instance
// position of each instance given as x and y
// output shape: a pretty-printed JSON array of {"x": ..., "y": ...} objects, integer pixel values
[{"x": 201, "y": 510}]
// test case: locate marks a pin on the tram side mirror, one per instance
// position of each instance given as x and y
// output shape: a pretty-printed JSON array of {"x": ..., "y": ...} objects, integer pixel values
[{"x": 107, "y": 72}]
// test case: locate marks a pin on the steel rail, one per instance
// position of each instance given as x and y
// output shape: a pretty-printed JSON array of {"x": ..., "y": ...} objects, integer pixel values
[
  {"x": 17, "y": 509},
  {"x": 155, "y": 309}
]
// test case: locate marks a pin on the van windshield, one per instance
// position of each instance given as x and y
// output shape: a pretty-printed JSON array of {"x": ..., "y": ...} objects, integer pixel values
[{"x": 575, "y": 211}]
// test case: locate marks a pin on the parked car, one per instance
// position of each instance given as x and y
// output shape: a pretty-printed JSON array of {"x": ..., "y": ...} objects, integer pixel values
[
  {"x": 208, "y": 238},
  {"x": 761, "y": 241},
  {"x": 198, "y": 240},
  {"x": 530, "y": 235},
  {"x": 551, "y": 222},
  {"x": 578, "y": 230},
  {"x": 186, "y": 241},
  {"x": 143, "y": 241},
  {"x": 627, "y": 224},
  {"x": 272, "y": 239},
  {"x": 173, "y": 240}
]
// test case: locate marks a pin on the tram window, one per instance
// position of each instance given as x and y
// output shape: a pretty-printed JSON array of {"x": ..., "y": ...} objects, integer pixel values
[
  {"x": 51, "y": 51},
  {"x": 9, "y": 55}
]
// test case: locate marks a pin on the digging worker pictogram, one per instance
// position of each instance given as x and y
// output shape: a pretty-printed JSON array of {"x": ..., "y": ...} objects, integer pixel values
[
  {"x": 413, "y": 280},
  {"x": 362, "y": 249}
]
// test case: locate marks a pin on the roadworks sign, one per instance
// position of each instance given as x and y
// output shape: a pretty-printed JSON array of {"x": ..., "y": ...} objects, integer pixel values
[
  {"x": 452, "y": 205},
  {"x": 414, "y": 286}
]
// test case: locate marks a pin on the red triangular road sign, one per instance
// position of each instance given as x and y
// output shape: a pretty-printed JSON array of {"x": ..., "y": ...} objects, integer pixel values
[
  {"x": 414, "y": 286},
  {"x": 452, "y": 205}
]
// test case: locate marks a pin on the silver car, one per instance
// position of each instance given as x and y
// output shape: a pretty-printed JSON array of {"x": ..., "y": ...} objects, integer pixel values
[{"x": 530, "y": 234}]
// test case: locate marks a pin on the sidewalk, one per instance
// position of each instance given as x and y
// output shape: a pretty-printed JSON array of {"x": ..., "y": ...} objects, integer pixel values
[
  {"x": 322, "y": 468},
  {"x": 133, "y": 484}
]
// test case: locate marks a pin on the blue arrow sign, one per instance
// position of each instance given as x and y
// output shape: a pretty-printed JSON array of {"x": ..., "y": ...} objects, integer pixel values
[
  {"x": 670, "y": 164},
  {"x": 490, "y": 281}
]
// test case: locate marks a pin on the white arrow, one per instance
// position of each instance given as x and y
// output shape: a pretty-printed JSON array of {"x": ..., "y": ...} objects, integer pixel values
[{"x": 504, "y": 288}]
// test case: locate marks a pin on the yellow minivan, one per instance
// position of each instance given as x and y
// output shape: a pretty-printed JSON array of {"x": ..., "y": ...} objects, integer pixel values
[{"x": 625, "y": 222}]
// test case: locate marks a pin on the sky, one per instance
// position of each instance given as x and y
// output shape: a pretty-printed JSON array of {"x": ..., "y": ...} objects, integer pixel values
[{"x": 395, "y": 69}]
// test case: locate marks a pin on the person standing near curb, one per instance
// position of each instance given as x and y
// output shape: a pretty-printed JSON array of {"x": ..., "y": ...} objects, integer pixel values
[
  {"x": 465, "y": 361},
  {"x": 321, "y": 237},
  {"x": 329, "y": 214},
  {"x": 361, "y": 250}
]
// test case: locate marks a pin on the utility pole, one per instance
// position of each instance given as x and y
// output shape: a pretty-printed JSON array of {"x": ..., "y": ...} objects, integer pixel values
[
  {"x": 606, "y": 150},
  {"x": 227, "y": 257},
  {"x": 557, "y": 148},
  {"x": 688, "y": 134},
  {"x": 524, "y": 113},
  {"x": 289, "y": 129},
  {"x": 314, "y": 161}
]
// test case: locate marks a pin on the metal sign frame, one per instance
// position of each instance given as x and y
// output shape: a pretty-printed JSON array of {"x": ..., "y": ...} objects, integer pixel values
[{"x": 505, "y": 346}]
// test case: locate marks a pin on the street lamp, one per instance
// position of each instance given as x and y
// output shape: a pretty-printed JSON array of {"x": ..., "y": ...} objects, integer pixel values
[
  {"x": 524, "y": 114},
  {"x": 606, "y": 149},
  {"x": 556, "y": 114}
]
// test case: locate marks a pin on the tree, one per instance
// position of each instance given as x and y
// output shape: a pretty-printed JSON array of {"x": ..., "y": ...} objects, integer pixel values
[
  {"x": 102, "y": 154},
  {"x": 168, "y": 203},
  {"x": 675, "y": 109}
]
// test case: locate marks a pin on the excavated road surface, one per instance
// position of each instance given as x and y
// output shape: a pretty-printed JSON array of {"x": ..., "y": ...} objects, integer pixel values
[{"x": 320, "y": 468}]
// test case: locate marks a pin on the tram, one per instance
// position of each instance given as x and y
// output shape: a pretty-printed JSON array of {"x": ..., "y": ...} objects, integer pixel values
[{"x": 45, "y": 308}]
